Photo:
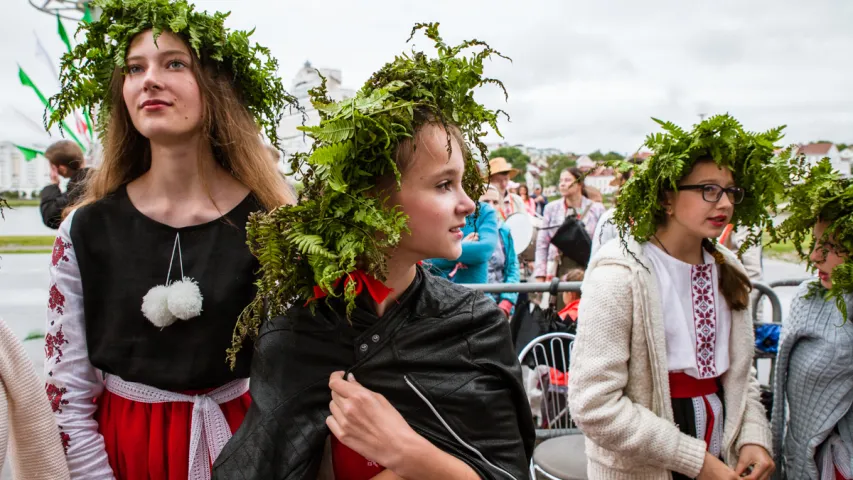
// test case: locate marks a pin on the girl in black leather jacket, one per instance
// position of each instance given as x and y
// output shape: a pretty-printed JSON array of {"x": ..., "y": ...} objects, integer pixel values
[{"x": 414, "y": 377}]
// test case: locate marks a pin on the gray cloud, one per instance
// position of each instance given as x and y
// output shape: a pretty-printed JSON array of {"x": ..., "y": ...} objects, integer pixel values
[{"x": 584, "y": 75}]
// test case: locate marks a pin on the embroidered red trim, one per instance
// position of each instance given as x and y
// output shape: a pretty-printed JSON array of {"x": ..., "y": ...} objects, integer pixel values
[
  {"x": 56, "y": 301},
  {"x": 705, "y": 319},
  {"x": 54, "y": 394},
  {"x": 66, "y": 440},
  {"x": 53, "y": 344},
  {"x": 59, "y": 247}
]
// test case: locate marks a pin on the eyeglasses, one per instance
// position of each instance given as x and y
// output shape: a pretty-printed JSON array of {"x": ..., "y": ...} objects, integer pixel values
[{"x": 713, "y": 193}]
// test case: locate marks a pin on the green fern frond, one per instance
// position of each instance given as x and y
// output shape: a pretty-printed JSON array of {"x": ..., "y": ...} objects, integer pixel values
[
  {"x": 86, "y": 70},
  {"x": 751, "y": 157},
  {"x": 823, "y": 195},
  {"x": 341, "y": 223}
]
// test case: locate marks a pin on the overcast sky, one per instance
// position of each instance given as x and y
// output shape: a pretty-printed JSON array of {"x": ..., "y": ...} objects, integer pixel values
[{"x": 585, "y": 75}]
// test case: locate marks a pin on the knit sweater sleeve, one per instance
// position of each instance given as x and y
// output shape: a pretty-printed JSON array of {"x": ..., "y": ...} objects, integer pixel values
[
  {"x": 73, "y": 384},
  {"x": 36, "y": 451},
  {"x": 754, "y": 429},
  {"x": 599, "y": 376},
  {"x": 791, "y": 333}
]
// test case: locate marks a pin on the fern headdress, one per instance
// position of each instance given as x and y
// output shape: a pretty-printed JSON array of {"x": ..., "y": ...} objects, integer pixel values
[
  {"x": 824, "y": 195},
  {"x": 750, "y": 156},
  {"x": 88, "y": 68},
  {"x": 337, "y": 228}
]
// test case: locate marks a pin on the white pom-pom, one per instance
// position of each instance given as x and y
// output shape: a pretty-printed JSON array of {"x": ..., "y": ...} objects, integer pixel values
[
  {"x": 155, "y": 306},
  {"x": 185, "y": 299}
]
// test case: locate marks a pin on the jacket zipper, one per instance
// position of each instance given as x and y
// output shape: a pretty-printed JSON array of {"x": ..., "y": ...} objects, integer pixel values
[{"x": 446, "y": 426}]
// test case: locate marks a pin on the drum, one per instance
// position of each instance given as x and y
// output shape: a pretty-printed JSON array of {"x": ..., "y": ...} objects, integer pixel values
[
  {"x": 521, "y": 229},
  {"x": 529, "y": 254}
]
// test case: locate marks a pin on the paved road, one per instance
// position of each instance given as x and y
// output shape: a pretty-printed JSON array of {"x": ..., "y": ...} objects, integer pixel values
[{"x": 24, "y": 285}]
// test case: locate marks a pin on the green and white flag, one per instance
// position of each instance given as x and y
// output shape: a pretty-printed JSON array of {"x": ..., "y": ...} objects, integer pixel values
[
  {"x": 62, "y": 33},
  {"x": 87, "y": 14},
  {"x": 27, "y": 82},
  {"x": 29, "y": 153}
]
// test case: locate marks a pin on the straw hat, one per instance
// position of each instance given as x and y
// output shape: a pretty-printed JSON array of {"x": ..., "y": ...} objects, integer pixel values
[{"x": 500, "y": 165}]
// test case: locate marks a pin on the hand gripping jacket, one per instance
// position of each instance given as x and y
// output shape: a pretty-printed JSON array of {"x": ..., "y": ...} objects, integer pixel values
[{"x": 442, "y": 356}]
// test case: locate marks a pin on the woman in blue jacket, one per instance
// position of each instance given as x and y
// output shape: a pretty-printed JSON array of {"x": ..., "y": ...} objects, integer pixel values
[
  {"x": 503, "y": 264},
  {"x": 480, "y": 240}
]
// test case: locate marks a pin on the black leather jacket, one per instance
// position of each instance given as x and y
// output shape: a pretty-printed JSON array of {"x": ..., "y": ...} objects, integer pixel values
[{"x": 442, "y": 356}]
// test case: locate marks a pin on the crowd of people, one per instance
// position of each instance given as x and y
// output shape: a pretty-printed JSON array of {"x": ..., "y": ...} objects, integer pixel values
[{"x": 354, "y": 349}]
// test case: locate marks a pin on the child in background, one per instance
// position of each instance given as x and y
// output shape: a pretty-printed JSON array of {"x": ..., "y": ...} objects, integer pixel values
[{"x": 571, "y": 299}]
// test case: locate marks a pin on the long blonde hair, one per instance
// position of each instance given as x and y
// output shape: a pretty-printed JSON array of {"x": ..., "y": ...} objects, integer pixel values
[{"x": 231, "y": 131}]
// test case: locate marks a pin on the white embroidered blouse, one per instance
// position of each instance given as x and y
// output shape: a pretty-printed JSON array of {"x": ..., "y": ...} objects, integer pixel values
[
  {"x": 73, "y": 383},
  {"x": 696, "y": 317}
]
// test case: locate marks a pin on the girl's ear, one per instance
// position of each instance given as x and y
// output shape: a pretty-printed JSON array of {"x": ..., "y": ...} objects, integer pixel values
[{"x": 666, "y": 203}]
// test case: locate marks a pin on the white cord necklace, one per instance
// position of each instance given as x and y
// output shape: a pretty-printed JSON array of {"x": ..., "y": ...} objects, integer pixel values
[{"x": 164, "y": 304}]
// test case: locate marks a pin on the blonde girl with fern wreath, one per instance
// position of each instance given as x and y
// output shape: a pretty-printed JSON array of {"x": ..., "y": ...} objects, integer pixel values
[
  {"x": 813, "y": 394},
  {"x": 406, "y": 374},
  {"x": 661, "y": 382},
  {"x": 150, "y": 270}
]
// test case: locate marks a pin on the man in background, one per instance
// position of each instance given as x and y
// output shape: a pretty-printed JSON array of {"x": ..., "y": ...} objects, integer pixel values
[
  {"x": 540, "y": 200},
  {"x": 67, "y": 161},
  {"x": 500, "y": 174}
]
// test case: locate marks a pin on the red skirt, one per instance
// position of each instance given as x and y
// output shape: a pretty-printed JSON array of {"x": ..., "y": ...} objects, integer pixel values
[
  {"x": 151, "y": 441},
  {"x": 350, "y": 465}
]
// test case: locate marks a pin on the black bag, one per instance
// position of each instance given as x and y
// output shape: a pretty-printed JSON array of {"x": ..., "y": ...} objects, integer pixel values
[
  {"x": 572, "y": 239},
  {"x": 531, "y": 321}
]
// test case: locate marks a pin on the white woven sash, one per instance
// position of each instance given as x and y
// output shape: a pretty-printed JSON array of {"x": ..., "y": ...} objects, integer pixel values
[
  {"x": 208, "y": 427},
  {"x": 833, "y": 454}
]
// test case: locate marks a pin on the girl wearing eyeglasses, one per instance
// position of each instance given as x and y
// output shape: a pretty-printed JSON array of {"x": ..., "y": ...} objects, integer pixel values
[
  {"x": 662, "y": 383},
  {"x": 813, "y": 391}
]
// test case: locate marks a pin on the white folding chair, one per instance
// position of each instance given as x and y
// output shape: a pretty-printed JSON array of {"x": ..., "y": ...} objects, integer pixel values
[{"x": 560, "y": 455}]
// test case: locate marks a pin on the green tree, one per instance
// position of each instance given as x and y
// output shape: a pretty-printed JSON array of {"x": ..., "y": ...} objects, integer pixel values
[
  {"x": 840, "y": 146},
  {"x": 555, "y": 166},
  {"x": 597, "y": 156},
  {"x": 518, "y": 159},
  {"x": 611, "y": 155}
]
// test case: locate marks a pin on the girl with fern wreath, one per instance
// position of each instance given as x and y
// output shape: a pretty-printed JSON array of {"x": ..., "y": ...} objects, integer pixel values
[
  {"x": 135, "y": 391},
  {"x": 813, "y": 394},
  {"x": 438, "y": 392},
  {"x": 661, "y": 379}
]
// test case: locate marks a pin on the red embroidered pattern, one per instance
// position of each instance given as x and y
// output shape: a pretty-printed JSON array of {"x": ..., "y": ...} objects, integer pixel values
[
  {"x": 54, "y": 394},
  {"x": 53, "y": 344},
  {"x": 57, "y": 300},
  {"x": 59, "y": 247},
  {"x": 704, "y": 318},
  {"x": 66, "y": 440}
]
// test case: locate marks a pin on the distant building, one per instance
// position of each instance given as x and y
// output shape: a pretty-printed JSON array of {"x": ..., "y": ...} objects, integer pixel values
[
  {"x": 25, "y": 178},
  {"x": 847, "y": 156},
  {"x": 814, "y": 152},
  {"x": 601, "y": 178},
  {"x": 293, "y": 140},
  {"x": 585, "y": 163},
  {"x": 639, "y": 156}
]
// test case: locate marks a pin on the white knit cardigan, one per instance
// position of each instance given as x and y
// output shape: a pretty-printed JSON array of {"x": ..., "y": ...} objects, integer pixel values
[
  {"x": 619, "y": 386},
  {"x": 25, "y": 416}
]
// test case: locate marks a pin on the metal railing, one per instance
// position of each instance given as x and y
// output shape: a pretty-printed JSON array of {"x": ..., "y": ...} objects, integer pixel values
[
  {"x": 764, "y": 289},
  {"x": 768, "y": 290},
  {"x": 554, "y": 287},
  {"x": 534, "y": 287}
]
